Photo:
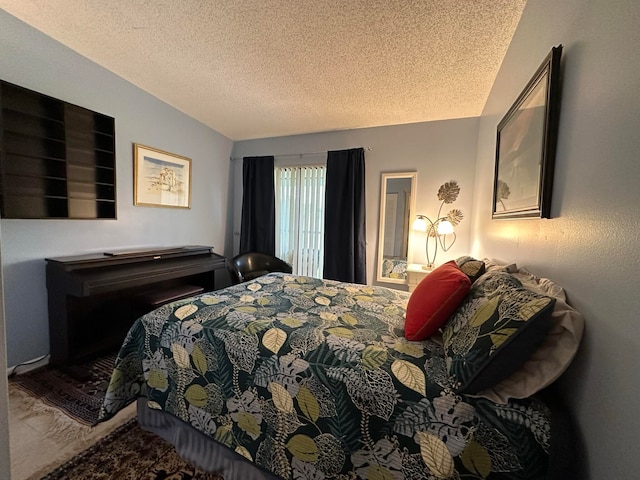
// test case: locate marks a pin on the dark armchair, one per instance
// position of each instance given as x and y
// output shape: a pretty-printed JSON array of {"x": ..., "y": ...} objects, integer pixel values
[{"x": 250, "y": 265}]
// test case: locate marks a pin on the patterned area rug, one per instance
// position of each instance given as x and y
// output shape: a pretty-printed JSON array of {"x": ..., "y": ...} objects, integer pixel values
[
  {"x": 129, "y": 452},
  {"x": 81, "y": 400}
]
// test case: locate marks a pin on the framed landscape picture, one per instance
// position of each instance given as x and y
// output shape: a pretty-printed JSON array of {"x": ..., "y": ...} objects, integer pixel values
[
  {"x": 161, "y": 179},
  {"x": 526, "y": 145}
]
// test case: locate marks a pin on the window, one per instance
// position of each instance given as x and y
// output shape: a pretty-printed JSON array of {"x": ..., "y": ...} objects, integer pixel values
[{"x": 300, "y": 217}]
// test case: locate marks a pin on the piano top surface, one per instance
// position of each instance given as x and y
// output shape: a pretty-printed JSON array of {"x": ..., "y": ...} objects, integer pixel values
[{"x": 128, "y": 255}]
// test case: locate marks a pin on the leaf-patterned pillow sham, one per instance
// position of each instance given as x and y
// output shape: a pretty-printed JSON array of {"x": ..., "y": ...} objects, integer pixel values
[
  {"x": 494, "y": 331},
  {"x": 471, "y": 267}
]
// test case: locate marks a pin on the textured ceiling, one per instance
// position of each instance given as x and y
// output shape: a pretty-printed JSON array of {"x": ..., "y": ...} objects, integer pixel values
[{"x": 266, "y": 68}]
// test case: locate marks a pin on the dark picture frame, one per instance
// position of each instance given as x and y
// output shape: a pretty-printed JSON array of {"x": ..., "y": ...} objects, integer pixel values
[{"x": 526, "y": 146}]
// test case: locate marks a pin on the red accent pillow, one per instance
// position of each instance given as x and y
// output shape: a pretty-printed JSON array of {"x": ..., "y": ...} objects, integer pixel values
[{"x": 434, "y": 300}]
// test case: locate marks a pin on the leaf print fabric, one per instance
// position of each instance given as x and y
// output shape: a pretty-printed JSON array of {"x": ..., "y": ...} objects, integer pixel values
[
  {"x": 313, "y": 379},
  {"x": 495, "y": 330}
]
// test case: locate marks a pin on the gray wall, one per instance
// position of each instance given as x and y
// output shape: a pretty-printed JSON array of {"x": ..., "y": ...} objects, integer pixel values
[
  {"x": 591, "y": 245},
  {"x": 35, "y": 61},
  {"x": 438, "y": 151}
]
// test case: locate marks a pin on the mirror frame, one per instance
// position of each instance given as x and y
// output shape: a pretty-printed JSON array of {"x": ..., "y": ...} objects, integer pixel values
[{"x": 413, "y": 176}]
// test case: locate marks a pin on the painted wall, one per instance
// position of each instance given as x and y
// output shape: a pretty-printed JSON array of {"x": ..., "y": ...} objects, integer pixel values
[
  {"x": 438, "y": 151},
  {"x": 37, "y": 62},
  {"x": 591, "y": 245}
]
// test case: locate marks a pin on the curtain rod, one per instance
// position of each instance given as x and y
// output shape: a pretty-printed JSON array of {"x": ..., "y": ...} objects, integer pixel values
[{"x": 367, "y": 149}]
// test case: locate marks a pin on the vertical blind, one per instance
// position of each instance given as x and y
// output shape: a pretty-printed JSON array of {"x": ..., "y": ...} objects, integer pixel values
[{"x": 300, "y": 217}]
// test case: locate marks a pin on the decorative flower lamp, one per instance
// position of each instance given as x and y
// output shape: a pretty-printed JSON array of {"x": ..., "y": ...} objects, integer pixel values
[{"x": 440, "y": 232}]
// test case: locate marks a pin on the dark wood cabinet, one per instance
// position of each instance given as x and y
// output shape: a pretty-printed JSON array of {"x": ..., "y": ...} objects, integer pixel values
[
  {"x": 94, "y": 299},
  {"x": 57, "y": 160}
]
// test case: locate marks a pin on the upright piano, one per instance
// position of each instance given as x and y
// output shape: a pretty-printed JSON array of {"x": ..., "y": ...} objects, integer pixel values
[{"x": 95, "y": 298}]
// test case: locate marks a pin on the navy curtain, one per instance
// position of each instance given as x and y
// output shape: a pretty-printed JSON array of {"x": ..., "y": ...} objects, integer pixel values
[
  {"x": 258, "y": 226},
  {"x": 344, "y": 225}
]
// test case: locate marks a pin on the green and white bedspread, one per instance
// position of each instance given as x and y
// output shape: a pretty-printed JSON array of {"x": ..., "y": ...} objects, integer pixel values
[{"x": 313, "y": 379}]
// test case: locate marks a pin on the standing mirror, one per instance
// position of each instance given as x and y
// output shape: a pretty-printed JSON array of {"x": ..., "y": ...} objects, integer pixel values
[{"x": 397, "y": 204}]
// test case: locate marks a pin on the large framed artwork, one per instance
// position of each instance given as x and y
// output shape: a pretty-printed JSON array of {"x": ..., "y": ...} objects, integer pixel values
[
  {"x": 526, "y": 146},
  {"x": 161, "y": 179}
]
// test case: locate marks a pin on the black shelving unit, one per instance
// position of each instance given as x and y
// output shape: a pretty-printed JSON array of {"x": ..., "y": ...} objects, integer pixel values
[{"x": 57, "y": 160}]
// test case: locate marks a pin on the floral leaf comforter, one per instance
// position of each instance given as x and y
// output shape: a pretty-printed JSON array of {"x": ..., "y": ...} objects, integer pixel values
[{"x": 313, "y": 379}]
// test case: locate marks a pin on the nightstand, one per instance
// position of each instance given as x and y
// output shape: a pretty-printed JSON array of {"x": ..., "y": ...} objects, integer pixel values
[{"x": 415, "y": 273}]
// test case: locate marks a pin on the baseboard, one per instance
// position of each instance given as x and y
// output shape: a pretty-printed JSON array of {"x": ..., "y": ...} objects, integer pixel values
[{"x": 28, "y": 366}]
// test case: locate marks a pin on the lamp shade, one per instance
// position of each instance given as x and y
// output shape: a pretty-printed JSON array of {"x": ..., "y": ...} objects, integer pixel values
[
  {"x": 420, "y": 224},
  {"x": 444, "y": 227}
]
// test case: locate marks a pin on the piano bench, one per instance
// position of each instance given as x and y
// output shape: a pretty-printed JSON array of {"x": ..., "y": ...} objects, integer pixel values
[{"x": 159, "y": 298}]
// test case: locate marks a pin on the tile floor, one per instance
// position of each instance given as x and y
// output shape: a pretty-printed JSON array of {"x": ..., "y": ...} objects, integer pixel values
[{"x": 42, "y": 437}]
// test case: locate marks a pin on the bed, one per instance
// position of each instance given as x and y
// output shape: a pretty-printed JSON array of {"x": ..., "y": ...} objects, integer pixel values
[
  {"x": 394, "y": 267},
  {"x": 299, "y": 378}
]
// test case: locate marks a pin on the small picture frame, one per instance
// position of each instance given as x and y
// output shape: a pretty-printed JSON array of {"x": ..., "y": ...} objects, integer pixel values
[
  {"x": 161, "y": 179},
  {"x": 526, "y": 146}
]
